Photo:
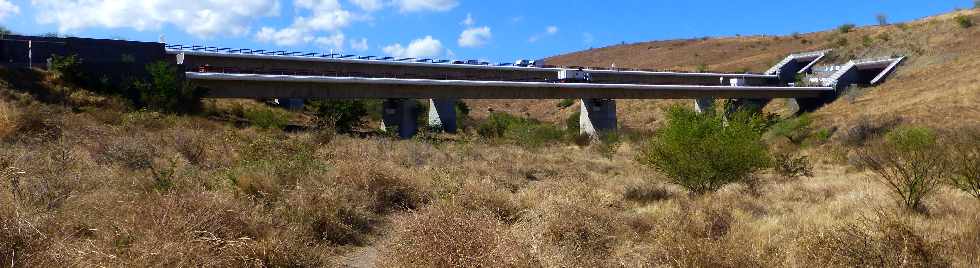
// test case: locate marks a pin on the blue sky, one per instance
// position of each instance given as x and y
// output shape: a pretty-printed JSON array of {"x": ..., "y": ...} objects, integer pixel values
[{"x": 497, "y": 30}]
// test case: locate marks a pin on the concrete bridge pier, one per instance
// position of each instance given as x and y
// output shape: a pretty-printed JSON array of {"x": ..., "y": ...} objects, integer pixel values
[
  {"x": 400, "y": 115},
  {"x": 597, "y": 115},
  {"x": 442, "y": 114},
  {"x": 704, "y": 105}
]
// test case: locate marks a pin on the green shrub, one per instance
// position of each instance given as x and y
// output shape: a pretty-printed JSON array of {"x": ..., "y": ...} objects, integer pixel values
[
  {"x": 963, "y": 21},
  {"x": 165, "y": 92},
  {"x": 573, "y": 124},
  {"x": 68, "y": 67},
  {"x": 909, "y": 162},
  {"x": 344, "y": 116},
  {"x": 521, "y": 131},
  {"x": 267, "y": 118},
  {"x": 976, "y": 4},
  {"x": 846, "y": 28},
  {"x": 565, "y": 103},
  {"x": 703, "y": 153},
  {"x": 841, "y": 42}
]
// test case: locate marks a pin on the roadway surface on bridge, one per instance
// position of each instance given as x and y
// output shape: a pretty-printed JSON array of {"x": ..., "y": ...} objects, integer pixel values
[
  {"x": 222, "y": 85},
  {"x": 207, "y": 61}
]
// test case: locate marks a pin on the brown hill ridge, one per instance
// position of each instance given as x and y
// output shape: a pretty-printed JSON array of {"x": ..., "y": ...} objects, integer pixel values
[{"x": 937, "y": 86}]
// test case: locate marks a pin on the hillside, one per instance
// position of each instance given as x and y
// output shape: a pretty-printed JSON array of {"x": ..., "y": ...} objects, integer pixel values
[
  {"x": 90, "y": 178},
  {"x": 938, "y": 85}
]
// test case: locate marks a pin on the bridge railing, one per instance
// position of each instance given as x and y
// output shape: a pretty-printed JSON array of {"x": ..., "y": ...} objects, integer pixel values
[{"x": 246, "y": 51}]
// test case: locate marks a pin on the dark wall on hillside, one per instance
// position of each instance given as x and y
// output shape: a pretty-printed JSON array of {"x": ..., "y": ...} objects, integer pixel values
[{"x": 102, "y": 59}]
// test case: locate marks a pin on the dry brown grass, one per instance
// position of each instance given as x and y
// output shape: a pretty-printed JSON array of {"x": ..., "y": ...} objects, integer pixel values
[{"x": 121, "y": 188}]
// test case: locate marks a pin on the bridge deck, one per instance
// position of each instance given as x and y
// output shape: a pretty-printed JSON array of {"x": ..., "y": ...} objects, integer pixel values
[
  {"x": 355, "y": 67},
  {"x": 222, "y": 85}
]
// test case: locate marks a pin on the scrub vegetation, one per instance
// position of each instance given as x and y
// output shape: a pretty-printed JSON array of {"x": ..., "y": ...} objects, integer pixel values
[{"x": 90, "y": 178}]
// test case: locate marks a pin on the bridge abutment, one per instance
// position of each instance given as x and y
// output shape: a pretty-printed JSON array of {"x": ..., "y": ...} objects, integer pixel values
[
  {"x": 400, "y": 115},
  {"x": 442, "y": 114},
  {"x": 598, "y": 115}
]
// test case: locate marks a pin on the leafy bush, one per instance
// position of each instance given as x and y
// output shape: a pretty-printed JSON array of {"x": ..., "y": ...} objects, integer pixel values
[
  {"x": 841, "y": 42},
  {"x": 565, "y": 103},
  {"x": 976, "y": 4},
  {"x": 522, "y": 131},
  {"x": 964, "y": 162},
  {"x": 165, "y": 92},
  {"x": 68, "y": 67},
  {"x": 267, "y": 118},
  {"x": 344, "y": 116},
  {"x": 909, "y": 162},
  {"x": 703, "y": 153},
  {"x": 963, "y": 21},
  {"x": 572, "y": 123},
  {"x": 846, "y": 28}
]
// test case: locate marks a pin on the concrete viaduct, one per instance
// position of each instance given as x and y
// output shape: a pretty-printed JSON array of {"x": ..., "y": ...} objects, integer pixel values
[{"x": 249, "y": 74}]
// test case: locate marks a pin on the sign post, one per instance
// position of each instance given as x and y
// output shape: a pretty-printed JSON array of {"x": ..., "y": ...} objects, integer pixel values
[{"x": 30, "y": 54}]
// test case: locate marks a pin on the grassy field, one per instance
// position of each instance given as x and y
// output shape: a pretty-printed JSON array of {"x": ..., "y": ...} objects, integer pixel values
[{"x": 86, "y": 181}]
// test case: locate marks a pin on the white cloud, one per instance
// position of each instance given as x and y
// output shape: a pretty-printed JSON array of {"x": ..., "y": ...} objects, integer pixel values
[
  {"x": 202, "y": 18},
  {"x": 425, "y": 5},
  {"x": 318, "y": 16},
  {"x": 552, "y": 30},
  {"x": 335, "y": 41},
  {"x": 360, "y": 45},
  {"x": 419, "y": 48},
  {"x": 475, "y": 37},
  {"x": 283, "y": 37},
  {"x": 368, "y": 5},
  {"x": 7, "y": 9},
  {"x": 469, "y": 21}
]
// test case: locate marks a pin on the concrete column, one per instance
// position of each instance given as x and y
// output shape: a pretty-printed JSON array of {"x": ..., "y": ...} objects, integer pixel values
[
  {"x": 597, "y": 115},
  {"x": 704, "y": 105},
  {"x": 400, "y": 114},
  {"x": 442, "y": 114}
]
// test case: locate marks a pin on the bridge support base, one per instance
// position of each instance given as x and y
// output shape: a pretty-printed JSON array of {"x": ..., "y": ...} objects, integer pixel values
[
  {"x": 442, "y": 114},
  {"x": 597, "y": 115},
  {"x": 400, "y": 116},
  {"x": 704, "y": 105}
]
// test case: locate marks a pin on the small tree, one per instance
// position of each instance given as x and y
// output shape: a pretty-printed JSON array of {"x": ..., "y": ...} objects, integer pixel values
[
  {"x": 909, "y": 162},
  {"x": 976, "y": 4},
  {"x": 846, "y": 28},
  {"x": 701, "y": 152},
  {"x": 166, "y": 92},
  {"x": 882, "y": 19},
  {"x": 964, "y": 156}
]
